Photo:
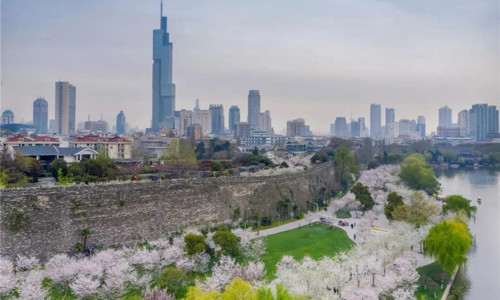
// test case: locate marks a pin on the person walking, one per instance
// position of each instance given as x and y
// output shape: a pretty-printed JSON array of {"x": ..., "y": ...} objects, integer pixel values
[{"x": 354, "y": 236}]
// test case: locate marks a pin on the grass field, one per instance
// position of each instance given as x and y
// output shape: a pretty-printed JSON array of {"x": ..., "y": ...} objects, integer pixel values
[
  {"x": 432, "y": 282},
  {"x": 315, "y": 240}
]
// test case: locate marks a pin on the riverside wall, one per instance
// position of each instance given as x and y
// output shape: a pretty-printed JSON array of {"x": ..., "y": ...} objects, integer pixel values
[{"x": 45, "y": 221}]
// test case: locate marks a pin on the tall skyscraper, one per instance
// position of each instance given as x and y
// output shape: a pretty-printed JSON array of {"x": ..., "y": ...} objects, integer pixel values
[
  {"x": 217, "y": 119},
  {"x": 120, "y": 123},
  {"x": 375, "y": 121},
  {"x": 265, "y": 121},
  {"x": 253, "y": 108},
  {"x": 40, "y": 115},
  {"x": 52, "y": 126},
  {"x": 296, "y": 127},
  {"x": 65, "y": 108},
  {"x": 163, "y": 88},
  {"x": 478, "y": 124},
  {"x": 390, "y": 117},
  {"x": 341, "y": 127},
  {"x": 421, "y": 126},
  {"x": 234, "y": 117},
  {"x": 355, "y": 129},
  {"x": 492, "y": 120},
  {"x": 445, "y": 116},
  {"x": 463, "y": 122}
]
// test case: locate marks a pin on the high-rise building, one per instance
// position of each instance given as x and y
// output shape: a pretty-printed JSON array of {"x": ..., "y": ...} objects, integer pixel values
[
  {"x": 362, "y": 126},
  {"x": 52, "y": 126},
  {"x": 332, "y": 129},
  {"x": 65, "y": 108},
  {"x": 120, "y": 123},
  {"x": 463, "y": 122},
  {"x": 355, "y": 129},
  {"x": 375, "y": 121},
  {"x": 341, "y": 127},
  {"x": 163, "y": 88},
  {"x": 241, "y": 130},
  {"x": 253, "y": 108},
  {"x": 445, "y": 116},
  {"x": 185, "y": 120},
  {"x": 265, "y": 121},
  {"x": 234, "y": 117},
  {"x": 217, "y": 118},
  {"x": 492, "y": 119},
  {"x": 204, "y": 118},
  {"x": 421, "y": 126},
  {"x": 7, "y": 117},
  {"x": 478, "y": 123},
  {"x": 296, "y": 127},
  {"x": 41, "y": 115},
  {"x": 392, "y": 130},
  {"x": 95, "y": 126},
  {"x": 390, "y": 117},
  {"x": 194, "y": 132},
  {"x": 404, "y": 128}
]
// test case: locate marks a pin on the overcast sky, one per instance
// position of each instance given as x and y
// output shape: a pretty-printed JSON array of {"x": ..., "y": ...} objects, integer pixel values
[{"x": 313, "y": 59}]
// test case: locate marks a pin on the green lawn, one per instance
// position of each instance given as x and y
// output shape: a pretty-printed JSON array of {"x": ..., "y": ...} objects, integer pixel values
[
  {"x": 432, "y": 278},
  {"x": 315, "y": 240}
]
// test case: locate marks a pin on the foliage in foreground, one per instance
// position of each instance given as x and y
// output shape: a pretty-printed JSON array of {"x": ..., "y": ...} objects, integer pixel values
[{"x": 457, "y": 204}]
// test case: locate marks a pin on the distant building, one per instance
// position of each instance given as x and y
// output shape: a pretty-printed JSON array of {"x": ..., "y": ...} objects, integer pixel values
[
  {"x": 265, "y": 121},
  {"x": 421, "y": 126},
  {"x": 65, "y": 108},
  {"x": 241, "y": 130},
  {"x": 253, "y": 108},
  {"x": 151, "y": 146},
  {"x": 100, "y": 126},
  {"x": 46, "y": 155},
  {"x": 7, "y": 117},
  {"x": 163, "y": 87},
  {"x": 392, "y": 130},
  {"x": 332, "y": 129},
  {"x": 115, "y": 147},
  {"x": 296, "y": 127},
  {"x": 262, "y": 138},
  {"x": 404, "y": 128},
  {"x": 307, "y": 131},
  {"x": 362, "y": 127},
  {"x": 217, "y": 119},
  {"x": 449, "y": 131},
  {"x": 120, "y": 123},
  {"x": 375, "y": 121},
  {"x": 355, "y": 129},
  {"x": 463, "y": 122},
  {"x": 40, "y": 115},
  {"x": 185, "y": 120},
  {"x": 194, "y": 132},
  {"x": 204, "y": 118},
  {"x": 492, "y": 119},
  {"x": 445, "y": 116},
  {"x": 341, "y": 129},
  {"x": 390, "y": 116},
  {"x": 478, "y": 123},
  {"x": 52, "y": 126},
  {"x": 234, "y": 117},
  {"x": 25, "y": 141}
]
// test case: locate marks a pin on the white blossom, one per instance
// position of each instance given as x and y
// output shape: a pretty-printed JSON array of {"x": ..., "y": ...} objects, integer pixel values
[
  {"x": 24, "y": 263},
  {"x": 84, "y": 285}
]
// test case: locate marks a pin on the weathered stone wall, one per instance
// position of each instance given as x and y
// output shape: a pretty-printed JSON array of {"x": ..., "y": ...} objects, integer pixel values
[{"x": 45, "y": 221}]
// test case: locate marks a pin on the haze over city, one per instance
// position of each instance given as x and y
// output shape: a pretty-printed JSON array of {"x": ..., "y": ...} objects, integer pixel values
[{"x": 317, "y": 60}]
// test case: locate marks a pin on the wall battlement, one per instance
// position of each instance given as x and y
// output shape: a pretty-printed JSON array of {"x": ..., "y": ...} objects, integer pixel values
[{"x": 44, "y": 221}]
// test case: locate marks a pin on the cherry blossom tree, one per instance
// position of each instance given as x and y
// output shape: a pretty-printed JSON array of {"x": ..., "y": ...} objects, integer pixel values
[
  {"x": 7, "y": 279},
  {"x": 84, "y": 285}
]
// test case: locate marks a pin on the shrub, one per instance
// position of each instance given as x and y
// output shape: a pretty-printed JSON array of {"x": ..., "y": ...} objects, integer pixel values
[{"x": 194, "y": 243}]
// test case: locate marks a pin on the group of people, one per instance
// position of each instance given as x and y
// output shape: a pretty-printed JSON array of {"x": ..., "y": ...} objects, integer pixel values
[{"x": 345, "y": 223}]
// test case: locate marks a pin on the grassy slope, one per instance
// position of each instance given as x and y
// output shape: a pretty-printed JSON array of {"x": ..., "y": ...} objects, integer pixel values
[
  {"x": 432, "y": 276},
  {"x": 316, "y": 240}
]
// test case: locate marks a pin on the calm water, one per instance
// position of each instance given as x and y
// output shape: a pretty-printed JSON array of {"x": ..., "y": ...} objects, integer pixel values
[{"x": 483, "y": 265}]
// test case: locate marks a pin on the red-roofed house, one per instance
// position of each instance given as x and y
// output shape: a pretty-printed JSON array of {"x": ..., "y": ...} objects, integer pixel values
[
  {"x": 115, "y": 147},
  {"x": 40, "y": 140}
]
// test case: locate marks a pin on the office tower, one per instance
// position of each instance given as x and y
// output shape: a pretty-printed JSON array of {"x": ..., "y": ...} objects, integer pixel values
[
  {"x": 445, "y": 116},
  {"x": 492, "y": 119},
  {"x": 421, "y": 126},
  {"x": 332, "y": 129},
  {"x": 390, "y": 117},
  {"x": 194, "y": 132},
  {"x": 241, "y": 130},
  {"x": 404, "y": 128},
  {"x": 296, "y": 127},
  {"x": 120, "y": 123},
  {"x": 355, "y": 129},
  {"x": 265, "y": 121},
  {"x": 95, "y": 126},
  {"x": 478, "y": 125},
  {"x": 7, "y": 117},
  {"x": 52, "y": 126},
  {"x": 204, "y": 118},
  {"x": 234, "y": 117},
  {"x": 253, "y": 108},
  {"x": 463, "y": 122},
  {"x": 65, "y": 108},
  {"x": 392, "y": 130},
  {"x": 40, "y": 115},
  {"x": 375, "y": 121},
  {"x": 185, "y": 120},
  {"x": 163, "y": 88},
  {"x": 217, "y": 119},
  {"x": 341, "y": 127},
  {"x": 362, "y": 126}
]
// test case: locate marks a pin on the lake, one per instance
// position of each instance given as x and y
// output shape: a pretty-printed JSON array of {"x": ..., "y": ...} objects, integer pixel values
[{"x": 483, "y": 264}]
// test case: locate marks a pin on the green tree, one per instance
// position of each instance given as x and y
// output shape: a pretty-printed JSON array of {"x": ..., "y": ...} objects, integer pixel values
[
  {"x": 174, "y": 280},
  {"x": 238, "y": 290},
  {"x": 448, "y": 242},
  {"x": 85, "y": 233},
  {"x": 319, "y": 157},
  {"x": 345, "y": 164},
  {"x": 393, "y": 200},
  {"x": 457, "y": 203},
  {"x": 194, "y": 243},
  {"x": 417, "y": 174},
  {"x": 196, "y": 293},
  {"x": 200, "y": 150},
  {"x": 57, "y": 164},
  {"x": 418, "y": 212},
  {"x": 229, "y": 243},
  {"x": 363, "y": 196}
]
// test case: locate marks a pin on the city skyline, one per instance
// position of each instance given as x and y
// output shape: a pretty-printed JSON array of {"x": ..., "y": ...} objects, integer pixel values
[{"x": 316, "y": 94}]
